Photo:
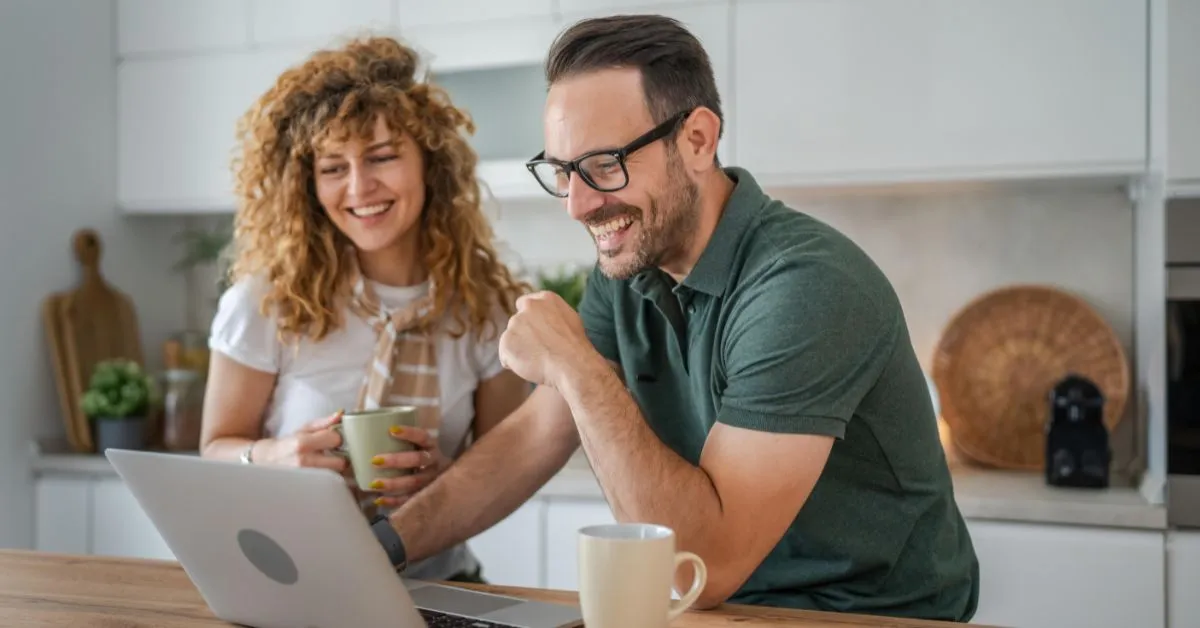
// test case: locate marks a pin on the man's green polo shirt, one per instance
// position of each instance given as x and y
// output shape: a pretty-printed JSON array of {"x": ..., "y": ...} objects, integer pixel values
[{"x": 785, "y": 325}]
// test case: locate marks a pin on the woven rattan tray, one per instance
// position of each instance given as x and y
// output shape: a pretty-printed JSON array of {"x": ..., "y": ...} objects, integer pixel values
[{"x": 998, "y": 359}]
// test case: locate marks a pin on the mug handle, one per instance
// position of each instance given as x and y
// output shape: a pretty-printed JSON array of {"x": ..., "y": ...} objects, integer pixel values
[
  {"x": 699, "y": 579},
  {"x": 339, "y": 451}
]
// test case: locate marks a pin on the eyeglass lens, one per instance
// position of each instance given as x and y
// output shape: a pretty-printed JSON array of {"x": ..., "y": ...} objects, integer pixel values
[{"x": 602, "y": 171}]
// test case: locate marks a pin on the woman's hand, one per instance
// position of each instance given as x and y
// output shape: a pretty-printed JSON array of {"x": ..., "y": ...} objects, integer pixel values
[
  {"x": 307, "y": 447},
  {"x": 426, "y": 462}
]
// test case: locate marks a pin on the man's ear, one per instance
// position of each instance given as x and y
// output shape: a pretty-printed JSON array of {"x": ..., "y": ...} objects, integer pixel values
[{"x": 698, "y": 139}]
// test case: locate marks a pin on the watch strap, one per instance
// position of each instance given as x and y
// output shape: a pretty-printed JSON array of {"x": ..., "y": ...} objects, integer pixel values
[{"x": 391, "y": 541}]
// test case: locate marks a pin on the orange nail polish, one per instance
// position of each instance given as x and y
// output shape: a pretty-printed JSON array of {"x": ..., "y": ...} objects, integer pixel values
[
  {"x": 377, "y": 460},
  {"x": 377, "y": 484},
  {"x": 379, "y": 501},
  {"x": 396, "y": 429}
]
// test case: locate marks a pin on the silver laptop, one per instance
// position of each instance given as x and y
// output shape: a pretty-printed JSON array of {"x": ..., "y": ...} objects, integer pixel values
[{"x": 272, "y": 546}]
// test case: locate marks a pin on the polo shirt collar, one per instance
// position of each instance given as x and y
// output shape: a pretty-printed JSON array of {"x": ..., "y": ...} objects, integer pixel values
[{"x": 711, "y": 272}]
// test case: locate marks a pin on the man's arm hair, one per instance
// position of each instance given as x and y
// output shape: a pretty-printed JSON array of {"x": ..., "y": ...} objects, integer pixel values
[{"x": 493, "y": 478}]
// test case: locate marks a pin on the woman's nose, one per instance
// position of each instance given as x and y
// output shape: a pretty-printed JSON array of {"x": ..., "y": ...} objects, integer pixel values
[{"x": 361, "y": 182}]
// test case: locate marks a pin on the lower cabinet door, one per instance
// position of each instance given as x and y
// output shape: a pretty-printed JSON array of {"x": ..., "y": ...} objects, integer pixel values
[
  {"x": 564, "y": 518},
  {"x": 61, "y": 514},
  {"x": 511, "y": 551},
  {"x": 119, "y": 525},
  {"x": 1050, "y": 576}
]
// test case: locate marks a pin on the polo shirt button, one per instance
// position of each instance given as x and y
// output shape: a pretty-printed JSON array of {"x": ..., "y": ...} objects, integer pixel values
[{"x": 691, "y": 309}]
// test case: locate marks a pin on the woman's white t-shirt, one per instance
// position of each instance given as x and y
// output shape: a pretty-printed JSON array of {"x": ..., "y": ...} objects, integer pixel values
[{"x": 316, "y": 379}]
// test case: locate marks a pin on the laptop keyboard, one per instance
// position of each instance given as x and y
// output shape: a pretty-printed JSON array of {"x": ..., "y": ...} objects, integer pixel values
[{"x": 436, "y": 619}]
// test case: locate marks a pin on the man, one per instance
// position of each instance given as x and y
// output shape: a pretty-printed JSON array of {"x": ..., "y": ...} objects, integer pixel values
[{"x": 738, "y": 371}]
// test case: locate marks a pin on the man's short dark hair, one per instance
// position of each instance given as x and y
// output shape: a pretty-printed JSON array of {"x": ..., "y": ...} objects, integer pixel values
[{"x": 676, "y": 72}]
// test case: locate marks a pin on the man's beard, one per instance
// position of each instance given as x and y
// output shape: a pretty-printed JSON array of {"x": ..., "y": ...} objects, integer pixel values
[{"x": 665, "y": 229}]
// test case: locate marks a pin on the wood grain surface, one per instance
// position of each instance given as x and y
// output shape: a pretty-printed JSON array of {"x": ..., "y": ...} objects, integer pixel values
[{"x": 45, "y": 589}]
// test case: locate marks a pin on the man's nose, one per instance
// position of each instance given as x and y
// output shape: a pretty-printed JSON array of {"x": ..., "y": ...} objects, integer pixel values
[{"x": 582, "y": 199}]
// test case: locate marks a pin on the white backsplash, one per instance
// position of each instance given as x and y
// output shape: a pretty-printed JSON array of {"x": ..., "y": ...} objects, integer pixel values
[{"x": 940, "y": 246}]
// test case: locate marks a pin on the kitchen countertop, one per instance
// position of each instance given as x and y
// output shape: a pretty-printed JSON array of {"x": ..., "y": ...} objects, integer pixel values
[
  {"x": 42, "y": 589},
  {"x": 981, "y": 493}
]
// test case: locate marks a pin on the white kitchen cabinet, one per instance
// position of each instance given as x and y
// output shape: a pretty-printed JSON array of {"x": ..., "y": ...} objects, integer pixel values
[
  {"x": 93, "y": 514},
  {"x": 622, "y": 6},
  {"x": 61, "y": 506},
  {"x": 1049, "y": 576},
  {"x": 317, "y": 22},
  {"x": 895, "y": 90},
  {"x": 425, "y": 13},
  {"x": 708, "y": 21},
  {"x": 564, "y": 518},
  {"x": 176, "y": 126},
  {"x": 155, "y": 26},
  {"x": 511, "y": 551},
  {"x": 458, "y": 35},
  {"x": 119, "y": 525},
  {"x": 177, "y": 121},
  {"x": 1183, "y": 97},
  {"x": 1183, "y": 578},
  {"x": 483, "y": 45}
]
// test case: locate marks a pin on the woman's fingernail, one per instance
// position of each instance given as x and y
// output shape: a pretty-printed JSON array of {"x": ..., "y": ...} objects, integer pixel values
[
  {"x": 339, "y": 413},
  {"x": 396, "y": 429},
  {"x": 379, "y": 501},
  {"x": 377, "y": 484},
  {"x": 377, "y": 460}
]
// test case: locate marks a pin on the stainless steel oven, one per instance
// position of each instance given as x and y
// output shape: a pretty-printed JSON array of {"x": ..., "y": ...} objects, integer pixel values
[{"x": 1183, "y": 363}]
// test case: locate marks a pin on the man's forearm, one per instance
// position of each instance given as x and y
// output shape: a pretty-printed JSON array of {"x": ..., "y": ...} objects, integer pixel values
[
  {"x": 487, "y": 483},
  {"x": 642, "y": 478}
]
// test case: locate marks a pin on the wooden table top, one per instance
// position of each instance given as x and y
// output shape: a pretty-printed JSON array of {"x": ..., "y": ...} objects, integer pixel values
[{"x": 43, "y": 589}]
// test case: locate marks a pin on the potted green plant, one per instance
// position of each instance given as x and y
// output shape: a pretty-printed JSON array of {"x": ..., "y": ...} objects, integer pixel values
[
  {"x": 207, "y": 256},
  {"x": 206, "y": 247},
  {"x": 118, "y": 401},
  {"x": 566, "y": 283}
]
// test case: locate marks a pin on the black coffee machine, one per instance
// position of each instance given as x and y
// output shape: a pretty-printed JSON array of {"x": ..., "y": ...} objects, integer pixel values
[{"x": 1077, "y": 449}]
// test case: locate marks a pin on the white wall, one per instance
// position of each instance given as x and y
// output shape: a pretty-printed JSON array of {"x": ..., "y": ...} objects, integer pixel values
[
  {"x": 942, "y": 246},
  {"x": 58, "y": 174}
]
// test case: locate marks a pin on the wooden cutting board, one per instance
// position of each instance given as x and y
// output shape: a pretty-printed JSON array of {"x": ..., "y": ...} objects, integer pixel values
[
  {"x": 87, "y": 325},
  {"x": 58, "y": 359}
]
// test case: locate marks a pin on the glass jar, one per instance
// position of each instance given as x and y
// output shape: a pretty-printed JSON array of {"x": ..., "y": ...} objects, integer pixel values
[
  {"x": 194, "y": 351},
  {"x": 183, "y": 405}
]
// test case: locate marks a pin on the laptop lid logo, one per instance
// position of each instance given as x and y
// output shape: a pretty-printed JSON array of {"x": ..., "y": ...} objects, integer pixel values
[{"x": 268, "y": 556}]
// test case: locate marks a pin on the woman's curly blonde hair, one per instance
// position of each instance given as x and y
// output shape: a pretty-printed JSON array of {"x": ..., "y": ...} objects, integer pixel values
[{"x": 281, "y": 230}]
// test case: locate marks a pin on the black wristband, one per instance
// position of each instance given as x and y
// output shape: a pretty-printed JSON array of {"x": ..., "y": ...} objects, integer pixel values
[{"x": 391, "y": 541}]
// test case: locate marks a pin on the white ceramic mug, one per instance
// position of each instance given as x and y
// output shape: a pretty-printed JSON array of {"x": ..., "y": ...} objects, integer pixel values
[{"x": 627, "y": 572}]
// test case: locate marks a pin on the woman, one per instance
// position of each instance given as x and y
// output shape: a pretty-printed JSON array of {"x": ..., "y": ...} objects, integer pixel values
[{"x": 359, "y": 209}]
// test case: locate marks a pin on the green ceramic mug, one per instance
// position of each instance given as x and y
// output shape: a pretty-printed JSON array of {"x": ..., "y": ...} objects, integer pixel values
[{"x": 366, "y": 434}]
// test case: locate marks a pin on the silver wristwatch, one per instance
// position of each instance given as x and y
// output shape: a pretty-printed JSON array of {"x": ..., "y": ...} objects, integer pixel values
[{"x": 246, "y": 454}]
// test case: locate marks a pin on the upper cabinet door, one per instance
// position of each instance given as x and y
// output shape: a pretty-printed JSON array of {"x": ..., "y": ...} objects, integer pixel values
[
  {"x": 425, "y": 13},
  {"x": 150, "y": 26},
  {"x": 1183, "y": 94},
  {"x": 708, "y": 21},
  {"x": 888, "y": 90},
  {"x": 618, "y": 6},
  {"x": 318, "y": 22},
  {"x": 459, "y": 35},
  {"x": 176, "y": 127}
]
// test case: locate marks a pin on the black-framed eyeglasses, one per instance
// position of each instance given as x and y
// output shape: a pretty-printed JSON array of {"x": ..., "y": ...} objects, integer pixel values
[{"x": 602, "y": 170}]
